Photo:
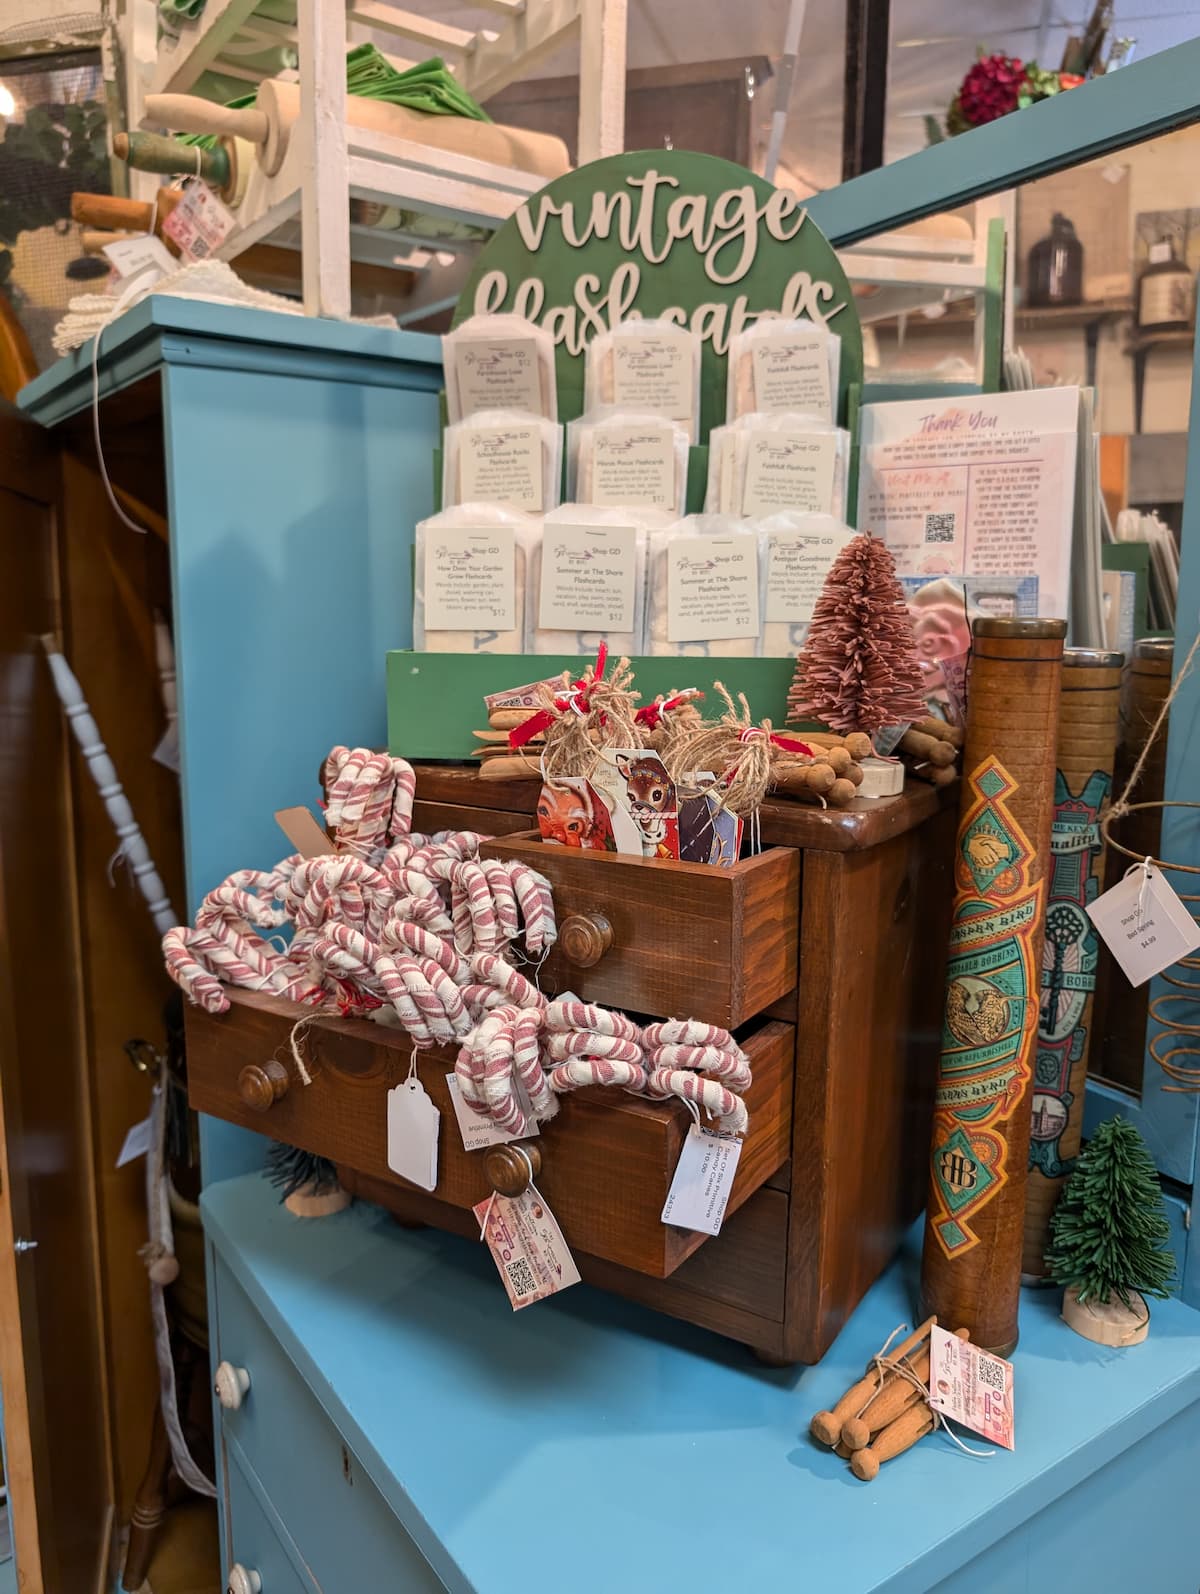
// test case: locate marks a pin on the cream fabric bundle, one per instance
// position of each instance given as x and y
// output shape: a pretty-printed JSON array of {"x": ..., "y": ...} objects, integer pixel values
[
  {"x": 502, "y": 457},
  {"x": 705, "y": 583},
  {"x": 574, "y": 561},
  {"x": 777, "y": 366},
  {"x": 797, "y": 551},
  {"x": 471, "y": 580},
  {"x": 648, "y": 366},
  {"x": 766, "y": 464},
  {"x": 617, "y": 456},
  {"x": 499, "y": 362}
]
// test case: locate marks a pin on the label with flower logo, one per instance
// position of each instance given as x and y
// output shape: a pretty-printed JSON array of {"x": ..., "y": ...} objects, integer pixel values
[
  {"x": 589, "y": 575},
  {"x": 470, "y": 580},
  {"x": 712, "y": 588}
]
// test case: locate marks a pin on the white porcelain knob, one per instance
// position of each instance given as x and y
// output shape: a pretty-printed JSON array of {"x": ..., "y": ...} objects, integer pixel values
[
  {"x": 242, "y": 1580},
  {"x": 230, "y": 1384}
]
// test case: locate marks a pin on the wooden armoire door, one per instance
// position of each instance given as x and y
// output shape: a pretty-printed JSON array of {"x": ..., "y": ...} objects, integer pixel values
[{"x": 52, "y": 1364}]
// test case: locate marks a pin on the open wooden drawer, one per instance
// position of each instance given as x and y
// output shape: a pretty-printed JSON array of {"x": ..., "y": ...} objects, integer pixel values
[
  {"x": 683, "y": 940},
  {"x": 607, "y": 1159}
]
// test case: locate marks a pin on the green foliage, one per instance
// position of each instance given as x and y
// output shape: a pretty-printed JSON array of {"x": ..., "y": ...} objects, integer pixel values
[
  {"x": 1109, "y": 1231},
  {"x": 44, "y": 159}
]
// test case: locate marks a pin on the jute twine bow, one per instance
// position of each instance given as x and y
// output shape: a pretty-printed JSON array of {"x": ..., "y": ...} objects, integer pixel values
[
  {"x": 739, "y": 753},
  {"x": 597, "y": 712},
  {"x": 670, "y": 720}
]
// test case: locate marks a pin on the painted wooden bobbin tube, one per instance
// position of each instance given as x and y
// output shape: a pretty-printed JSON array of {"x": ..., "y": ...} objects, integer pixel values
[
  {"x": 971, "y": 1265},
  {"x": 1087, "y": 739}
]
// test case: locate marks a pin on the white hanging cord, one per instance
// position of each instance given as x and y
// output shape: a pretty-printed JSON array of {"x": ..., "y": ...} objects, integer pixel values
[{"x": 139, "y": 285}]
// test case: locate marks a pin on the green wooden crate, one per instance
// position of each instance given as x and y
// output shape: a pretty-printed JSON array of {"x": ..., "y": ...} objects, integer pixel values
[{"x": 435, "y": 700}]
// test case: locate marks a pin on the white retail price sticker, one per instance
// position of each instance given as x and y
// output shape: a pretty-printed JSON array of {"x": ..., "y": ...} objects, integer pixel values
[
  {"x": 412, "y": 1134},
  {"x": 527, "y": 1247},
  {"x": 479, "y": 1132},
  {"x": 200, "y": 223},
  {"x": 971, "y": 1386},
  {"x": 699, "y": 1191},
  {"x": 1144, "y": 924},
  {"x": 137, "y": 1142},
  {"x": 145, "y": 252}
]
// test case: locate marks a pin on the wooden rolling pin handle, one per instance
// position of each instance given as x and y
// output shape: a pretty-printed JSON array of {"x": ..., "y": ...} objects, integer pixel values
[
  {"x": 187, "y": 113},
  {"x": 261, "y": 1085},
  {"x": 92, "y": 241},
  {"x": 509, "y": 1172},
  {"x": 896, "y": 1438},
  {"x": 584, "y": 939}
]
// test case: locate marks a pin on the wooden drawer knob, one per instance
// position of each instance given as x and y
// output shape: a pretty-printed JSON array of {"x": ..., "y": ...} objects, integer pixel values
[
  {"x": 231, "y": 1385},
  {"x": 261, "y": 1085},
  {"x": 512, "y": 1169},
  {"x": 585, "y": 938}
]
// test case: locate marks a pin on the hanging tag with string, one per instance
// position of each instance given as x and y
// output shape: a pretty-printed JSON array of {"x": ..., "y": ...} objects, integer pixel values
[
  {"x": 200, "y": 223},
  {"x": 412, "y": 1131},
  {"x": 1143, "y": 923},
  {"x": 703, "y": 1178},
  {"x": 971, "y": 1386},
  {"x": 526, "y": 1243}
]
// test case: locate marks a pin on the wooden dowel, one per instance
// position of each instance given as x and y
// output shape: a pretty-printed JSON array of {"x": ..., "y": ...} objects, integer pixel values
[{"x": 893, "y": 1441}]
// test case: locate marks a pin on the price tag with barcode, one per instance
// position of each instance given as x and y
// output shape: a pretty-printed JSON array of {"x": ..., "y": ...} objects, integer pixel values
[
  {"x": 971, "y": 1386},
  {"x": 200, "y": 223},
  {"x": 527, "y": 1246}
]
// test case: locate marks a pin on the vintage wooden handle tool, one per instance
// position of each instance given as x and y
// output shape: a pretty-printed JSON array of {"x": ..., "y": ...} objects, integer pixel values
[
  {"x": 152, "y": 152},
  {"x": 897, "y": 1394},
  {"x": 827, "y": 1425},
  {"x": 188, "y": 113}
]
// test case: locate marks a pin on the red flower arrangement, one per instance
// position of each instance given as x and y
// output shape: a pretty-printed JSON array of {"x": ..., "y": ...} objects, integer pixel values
[{"x": 996, "y": 85}]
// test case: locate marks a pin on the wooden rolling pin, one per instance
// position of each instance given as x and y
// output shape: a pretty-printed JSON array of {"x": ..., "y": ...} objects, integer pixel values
[
  {"x": 827, "y": 1425},
  {"x": 268, "y": 127},
  {"x": 124, "y": 215}
]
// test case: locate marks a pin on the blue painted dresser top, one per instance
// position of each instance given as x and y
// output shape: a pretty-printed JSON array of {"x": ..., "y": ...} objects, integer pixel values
[{"x": 587, "y": 1444}]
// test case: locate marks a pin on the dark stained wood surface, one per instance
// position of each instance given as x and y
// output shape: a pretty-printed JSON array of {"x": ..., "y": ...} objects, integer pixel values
[
  {"x": 785, "y": 822},
  {"x": 607, "y": 1158},
  {"x": 688, "y": 940}
]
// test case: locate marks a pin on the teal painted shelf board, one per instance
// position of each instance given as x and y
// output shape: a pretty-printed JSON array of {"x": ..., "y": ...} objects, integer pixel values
[{"x": 590, "y": 1444}]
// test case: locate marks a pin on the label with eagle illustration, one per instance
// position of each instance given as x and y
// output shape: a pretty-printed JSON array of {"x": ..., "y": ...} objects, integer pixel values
[
  {"x": 1069, "y": 957},
  {"x": 991, "y": 1005}
]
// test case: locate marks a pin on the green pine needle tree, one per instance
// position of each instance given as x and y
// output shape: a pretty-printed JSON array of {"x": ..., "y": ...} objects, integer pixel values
[{"x": 1108, "y": 1235}]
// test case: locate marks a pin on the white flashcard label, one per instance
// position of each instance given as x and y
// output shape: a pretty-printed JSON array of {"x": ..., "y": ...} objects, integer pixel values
[
  {"x": 478, "y": 1132},
  {"x": 412, "y": 1134},
  {"x": 136, "y": 1143},
  {"x": 797, "y": 564},
  {"x": 200, "y": 223},
  {"x": 589, "y": 577},
  {"x": 789, "y": 470},
  {"x": 527, "y": 1246},
  {"x": 128, "y": 256},
  {"x": 305, "y": 834},
  {"x": 972, "y": 1386},
  {"x": 655, "y": 373},
  {"x": 699, "y": 1191},
  {"x": 499, "y": 374},
  {"x": 712, "y": 588},
  {"x": 792, "y": 373},
  {"x": 1144, "y": 925},
  {"x": 501, "y": 465},
  {"x": 470, "y": 580},
  {"x": 633, "y": 465}
]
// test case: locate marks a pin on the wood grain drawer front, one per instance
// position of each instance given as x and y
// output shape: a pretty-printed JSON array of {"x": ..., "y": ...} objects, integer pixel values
[
  {"x": 671, "y": 939},
  {"x": 607, "y": 1158},
  {"x": 345, "y": 1532}
]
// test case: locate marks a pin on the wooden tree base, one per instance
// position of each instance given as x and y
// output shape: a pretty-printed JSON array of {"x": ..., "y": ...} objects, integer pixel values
[
  {"x": 1108, "y": 1322},
  {"x": 304, "y": 1203}
]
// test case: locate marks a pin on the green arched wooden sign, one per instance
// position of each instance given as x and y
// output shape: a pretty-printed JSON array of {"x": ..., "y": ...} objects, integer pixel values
[{"x": 669, "y": 233}]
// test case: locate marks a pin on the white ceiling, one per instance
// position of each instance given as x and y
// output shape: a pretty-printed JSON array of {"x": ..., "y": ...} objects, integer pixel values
[{"x": 933, "y": 45}]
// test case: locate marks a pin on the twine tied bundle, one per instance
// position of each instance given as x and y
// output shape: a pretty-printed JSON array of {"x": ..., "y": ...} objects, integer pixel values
[
  {"x": 740, "y": 754},
  {"x": 597, "y": 712}
]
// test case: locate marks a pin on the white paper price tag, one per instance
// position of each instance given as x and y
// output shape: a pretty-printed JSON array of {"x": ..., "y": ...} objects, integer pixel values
[
  {"x": 972, "y": 1386},
  {"x": 527, "y": 1246},
  {"x": 699, "y": 1191},
  {"x": 477, "y": 1132},
  {"x": 412, "y": 1134},
  {"x": 136, "y": 1142},
  {"x": 199, "y": 223},
  {"x": 128, "y": 256},
  {"x": 1144, "y": 924}
]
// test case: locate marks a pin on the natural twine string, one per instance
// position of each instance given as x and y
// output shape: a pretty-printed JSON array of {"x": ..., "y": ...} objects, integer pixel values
[
  {"x": 739, "y": 753},
  {"x": 902, "y": 1369},
  {"x": 1121, "y": 806}
]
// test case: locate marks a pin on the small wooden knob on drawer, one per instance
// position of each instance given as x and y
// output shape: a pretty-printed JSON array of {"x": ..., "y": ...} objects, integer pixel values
[
  {"x": 509, "y": 1172},
  {"x": 230, "y": 1385},
  {"x": 585, "y": 938},
  {"x": 242, "y": 1580},
  {"x": 261, "y": 1085}
]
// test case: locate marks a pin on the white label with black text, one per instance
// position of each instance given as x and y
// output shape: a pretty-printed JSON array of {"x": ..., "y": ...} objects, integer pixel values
[
  {"x": 589, "y": 575},
  {"x": 633, "y": 465},
  {"x": 501, "y": 465},
  {"x": 470, "y": 580},
  {"x": 478, "y": 1132},
  {"x": 1144, "y": 924},
  {"x": 712, "y": 588},
  {"x": 699, "y": 1191}
]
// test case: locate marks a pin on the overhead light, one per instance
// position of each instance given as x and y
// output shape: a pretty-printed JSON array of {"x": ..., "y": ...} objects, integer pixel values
[{"x": 7, "y": 104}]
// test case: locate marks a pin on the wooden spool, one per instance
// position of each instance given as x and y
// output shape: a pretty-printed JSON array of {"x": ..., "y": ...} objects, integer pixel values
[
  {"x": 1087, "y": 741},
  {"x": 971, "y": 1265}
]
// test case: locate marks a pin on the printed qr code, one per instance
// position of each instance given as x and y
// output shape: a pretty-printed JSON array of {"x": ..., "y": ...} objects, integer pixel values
[
  {"x": 520, "y": 1276},
  {"x": 940, "y": 528},
  {"x": 992, "y": 1374}
]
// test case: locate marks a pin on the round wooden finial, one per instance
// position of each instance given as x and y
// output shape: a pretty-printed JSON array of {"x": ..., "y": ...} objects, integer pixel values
[
  {"x": 261, "y": 1085},
  {"x": 585, "y": 938},
  {"x": 512, "y": 1169}
]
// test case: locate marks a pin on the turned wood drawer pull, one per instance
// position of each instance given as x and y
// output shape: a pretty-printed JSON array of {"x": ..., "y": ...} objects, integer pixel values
[
  {"x": 509, "y": 1172},
  {"x": 585, "y": 938},
  {"x": 261, "y": 1085}
]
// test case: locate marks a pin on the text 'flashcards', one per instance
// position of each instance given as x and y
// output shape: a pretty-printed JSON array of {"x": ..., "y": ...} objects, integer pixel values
[
  {"x": 971, "y": 1386},
  {"x": 699, "y": 1191},
  {"x": 1144, "y": 924},
  {"x": 527, "y": 1246}
]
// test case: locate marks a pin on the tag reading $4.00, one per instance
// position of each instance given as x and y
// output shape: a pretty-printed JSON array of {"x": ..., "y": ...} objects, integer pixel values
[
  {"x": 1144, "y": 924},
  {"x": 527, "y": 1247},
  {"x": 971, "y": 1386},
  {"x": 699, "y": 1191}
]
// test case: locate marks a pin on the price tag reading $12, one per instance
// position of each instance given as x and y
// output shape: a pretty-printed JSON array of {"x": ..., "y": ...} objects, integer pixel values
[{"x": 971, "y": 1386}]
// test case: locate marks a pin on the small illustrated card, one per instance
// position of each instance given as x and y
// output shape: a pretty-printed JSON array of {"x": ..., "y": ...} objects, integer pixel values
[
  {"x": 971, "y": 1386},
  {"x": 470, "y": 579},
  {"x": 527, "y": 696},
  {"x": 789, "y": 470},
  {"x": 199, "y": 223},
  {"x": 589, "y": 579},
  {"x": 498, "y": 374},
  {"x": 633, "y": 465},
  {"x": 656, "y": 373},
  {"x": 708, "y": 832},
  {"x": 791, "y": 373},
  {"x": 641, "y": 801},
  {"x": 1144, "y": 924},
  {"x": 572, "y": 813},
  {"x": 502, "y": 465},
  {"x": 712, "y": 588},
  {"x": 527, "y": 1247}
]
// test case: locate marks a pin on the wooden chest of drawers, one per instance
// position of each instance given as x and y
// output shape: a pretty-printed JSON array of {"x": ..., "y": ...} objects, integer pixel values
[{"x": 825, "y": 953}]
